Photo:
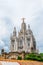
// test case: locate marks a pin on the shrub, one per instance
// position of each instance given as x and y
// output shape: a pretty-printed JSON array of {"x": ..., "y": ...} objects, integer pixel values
[
  {"x": 33, "y": 57},
  {"x": 19, "y": 58}
]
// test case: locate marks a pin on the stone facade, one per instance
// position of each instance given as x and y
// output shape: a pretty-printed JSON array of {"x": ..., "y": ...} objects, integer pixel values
[{"x": 25, "y": 40}]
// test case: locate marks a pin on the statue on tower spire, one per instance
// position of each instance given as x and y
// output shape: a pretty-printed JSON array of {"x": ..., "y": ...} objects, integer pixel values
[{"x": 23, "y": 19}]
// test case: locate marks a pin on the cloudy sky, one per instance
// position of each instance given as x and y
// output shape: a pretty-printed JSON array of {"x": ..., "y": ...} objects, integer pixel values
[{"x": 11, "y": 12}]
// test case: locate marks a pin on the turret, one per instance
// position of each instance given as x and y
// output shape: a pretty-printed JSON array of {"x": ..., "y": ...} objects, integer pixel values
[
  {"x": 14, "y": 32},
  {"x": 29, "y": 30},
  {"x": 28, "y": 27}
]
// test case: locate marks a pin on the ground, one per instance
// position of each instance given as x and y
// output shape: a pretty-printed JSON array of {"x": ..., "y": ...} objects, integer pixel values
[{"x": 22, "y": 62}]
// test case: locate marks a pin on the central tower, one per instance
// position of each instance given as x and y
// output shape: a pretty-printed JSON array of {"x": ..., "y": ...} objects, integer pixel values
[{"x": 23, "y": 25}]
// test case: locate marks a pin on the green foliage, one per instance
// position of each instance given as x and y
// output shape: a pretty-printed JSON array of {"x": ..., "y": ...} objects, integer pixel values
[
  {"x": 19, "y": 58},
  {"x": 41, "y": 54},
  {"x": 33, "y": 56},
  {"x": 30, "y": 56}
]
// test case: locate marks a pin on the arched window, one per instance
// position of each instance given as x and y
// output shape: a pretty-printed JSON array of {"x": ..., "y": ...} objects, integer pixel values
[
  {"x": 28, "y": 41},
  {"x": 20, "y": 44}
]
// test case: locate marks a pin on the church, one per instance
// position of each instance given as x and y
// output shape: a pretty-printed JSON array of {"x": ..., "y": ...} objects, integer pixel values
[
  {"x": 21, "y": 44},
  {"x": 25, "y": 40}
]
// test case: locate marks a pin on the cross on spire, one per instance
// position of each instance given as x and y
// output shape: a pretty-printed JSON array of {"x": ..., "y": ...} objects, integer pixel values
[{"x": 23, "y": 19}]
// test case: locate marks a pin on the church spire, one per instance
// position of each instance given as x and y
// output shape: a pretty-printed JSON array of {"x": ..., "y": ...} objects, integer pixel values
[
  {"x": 14, "y": 32},
  {"x": 23, "y": 26}
]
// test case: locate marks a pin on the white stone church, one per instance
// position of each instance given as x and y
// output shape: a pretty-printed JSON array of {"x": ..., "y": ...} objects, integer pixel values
[
  {"x": 25, "y": 40},
  {"x": 21, "y": 44}
]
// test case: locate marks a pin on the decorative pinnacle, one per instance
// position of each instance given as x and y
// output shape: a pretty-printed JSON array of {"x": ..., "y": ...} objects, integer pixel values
[
  {"x": 28, "y": 26},
  {"x": 23, "y": 19}
]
